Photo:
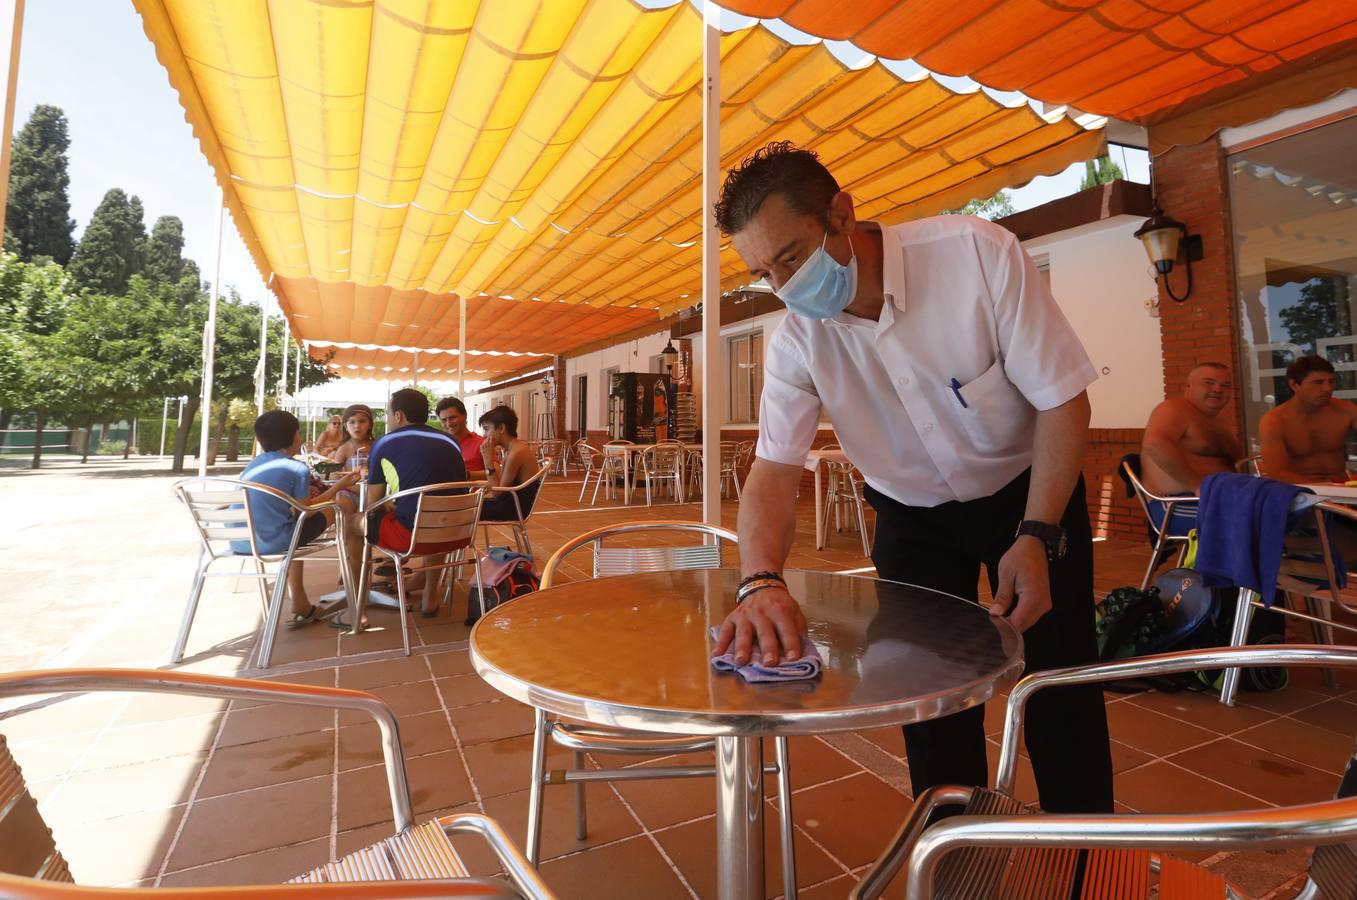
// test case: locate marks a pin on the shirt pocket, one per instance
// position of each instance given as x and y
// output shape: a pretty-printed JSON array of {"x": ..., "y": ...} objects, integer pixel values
[{"x": 997, "y": 417}]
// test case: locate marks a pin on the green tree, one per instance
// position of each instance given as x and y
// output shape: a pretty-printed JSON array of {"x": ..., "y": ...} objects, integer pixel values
[
  {"x": 34, "y": 301},
  {"x": 112, "y": 247},
  {"x": 38, "y": 216},
  {"x": 996, "y": 207},
  {"x": 164, "y": 256},
  {"x": 1100, "y": 171}
]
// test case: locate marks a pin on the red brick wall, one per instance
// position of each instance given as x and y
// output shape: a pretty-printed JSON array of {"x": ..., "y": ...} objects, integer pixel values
[
  {"x": 1191, "y": 186},
  {"x": 1111, "y": 513}
]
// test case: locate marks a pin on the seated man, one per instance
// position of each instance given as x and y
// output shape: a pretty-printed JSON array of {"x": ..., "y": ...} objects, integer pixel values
[
  {"x": 452, "y": 413},
  {"x": 1305, "y": 439},
  {"x": 411, "y": 454},
  {"x": 1184, "y": 440},
  {"x": 272, "y": 520},
  {"x": 500, "y": 428}
]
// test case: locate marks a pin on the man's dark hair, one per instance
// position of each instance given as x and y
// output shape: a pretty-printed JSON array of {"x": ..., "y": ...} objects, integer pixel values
[
  {"x": 413, "y": 403},
  {"x": 780, "y": 168},
  {"x": 275, "y": 429},
  {"x": 450, "y": 403},
  {"x": 1302, "y": 367},
  {"x": 501, "y": 415}
]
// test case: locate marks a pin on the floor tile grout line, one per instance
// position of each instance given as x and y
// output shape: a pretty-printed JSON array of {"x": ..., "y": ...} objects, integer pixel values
[
  {"x": 192, "y": 798},
  {"x": 645, "y": 830},
  {"x": 84, "y": 754},
  {"x": 456, "y": 737},
  {"x": 334, "y": 783}
]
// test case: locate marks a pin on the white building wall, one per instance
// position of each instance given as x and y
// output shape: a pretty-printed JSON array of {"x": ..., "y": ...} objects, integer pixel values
[{"x": 1100, "y": 276}]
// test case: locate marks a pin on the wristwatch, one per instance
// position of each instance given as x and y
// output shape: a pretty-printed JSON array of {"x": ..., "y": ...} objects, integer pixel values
[{"x": 1053, "y": 536}]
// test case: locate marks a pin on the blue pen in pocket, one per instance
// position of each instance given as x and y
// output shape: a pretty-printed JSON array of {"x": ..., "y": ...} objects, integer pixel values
[{"x": 956, "y": 389}]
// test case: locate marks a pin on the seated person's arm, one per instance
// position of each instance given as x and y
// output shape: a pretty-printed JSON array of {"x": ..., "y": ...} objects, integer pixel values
[
  {"x": 1163, "y": 435},
  {"x": 1276, "y": 458},
  {"x": 342, "y": 453},
  {"x": 516, "y": 467},
  {"x": 347, "y": 480}
]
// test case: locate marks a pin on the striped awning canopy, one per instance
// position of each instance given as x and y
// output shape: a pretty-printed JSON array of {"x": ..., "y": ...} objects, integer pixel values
[
  {"x": 382, "y": 158},
  {"x": 1137, "y": 60},
  {"x": 396, "y": 363}
]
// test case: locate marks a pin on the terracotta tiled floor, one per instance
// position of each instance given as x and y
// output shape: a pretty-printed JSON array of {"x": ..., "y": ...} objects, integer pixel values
[{"x": 158, "y": 790}]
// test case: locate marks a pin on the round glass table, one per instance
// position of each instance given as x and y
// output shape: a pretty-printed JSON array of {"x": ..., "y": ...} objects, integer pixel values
[{"x": 635, "y": 651}]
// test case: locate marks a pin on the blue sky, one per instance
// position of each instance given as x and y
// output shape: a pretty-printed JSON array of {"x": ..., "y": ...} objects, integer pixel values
[{"x": 91, "y": 58}]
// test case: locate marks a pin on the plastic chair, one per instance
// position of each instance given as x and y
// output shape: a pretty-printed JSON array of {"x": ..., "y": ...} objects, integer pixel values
[
  {"x": 1304, "y": 574},
  {"x": 997, "y": 848},
  {"x": 35, "y": 870},
  {"x": 444, "y": 528},
  {"x": 663, "y": 462},
  {"x": 525, "y": 499},
  {"x": 220, "y": 508},
  {"x": 845, "y": 496},
  {"x": 582, "y": 738},
  {"x": 1173, "y": 523}
]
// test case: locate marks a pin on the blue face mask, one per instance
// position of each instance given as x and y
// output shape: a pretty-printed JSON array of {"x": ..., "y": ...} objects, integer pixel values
[{"x": 823, "y": 287}]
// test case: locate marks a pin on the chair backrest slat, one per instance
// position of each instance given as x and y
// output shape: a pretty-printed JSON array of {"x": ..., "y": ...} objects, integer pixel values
[{"x": 630, "y": 560}]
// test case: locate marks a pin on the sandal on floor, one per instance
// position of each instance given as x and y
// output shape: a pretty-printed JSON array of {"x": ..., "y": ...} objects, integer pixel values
[{"x": 300, "y": 619}]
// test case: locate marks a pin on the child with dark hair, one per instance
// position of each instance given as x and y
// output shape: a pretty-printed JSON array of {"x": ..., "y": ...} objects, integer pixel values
[
  {"x": 272, "y": 520},
  {"x": 499, "y": 427}
]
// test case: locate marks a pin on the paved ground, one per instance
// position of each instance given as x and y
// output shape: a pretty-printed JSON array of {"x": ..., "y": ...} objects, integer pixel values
[{"x": 161, "y": 791}]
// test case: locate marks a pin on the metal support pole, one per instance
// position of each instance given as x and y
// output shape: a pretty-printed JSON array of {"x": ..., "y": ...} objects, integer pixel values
[
  {"x": 164, "y": 425},
  {"x": 262, "y": 380},
  {"x": 210, "y": 339},
  {"x": 11, "y": 86},
  {"x": 739, "y": 817},
  {"x": 415, "y": 378},
  {"x": 461, "y": 347},
  {"x": 714, "y": 370},
  {"x": 282, "y": 373}
]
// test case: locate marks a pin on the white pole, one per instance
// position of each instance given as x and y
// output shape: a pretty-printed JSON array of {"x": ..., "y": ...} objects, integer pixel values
[
  {"x": 714, "y": 371},
  {"x": 282, "y": 373},
  {"x": 461, "y": 347},
  {"x": 11, "y": 86},
  {"x": 297, "y": 389},
  {"x": 210, "y": 340},
  {"x": 415, "y": 380},
  {"x": 164, "y": 425},
  {"x": 263, "y": 356}
]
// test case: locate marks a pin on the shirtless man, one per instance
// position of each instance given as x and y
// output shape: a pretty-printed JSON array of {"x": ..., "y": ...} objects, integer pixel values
[
  {"x": 1184, "y": 441},
  {"x": 1305, "y": 439}
]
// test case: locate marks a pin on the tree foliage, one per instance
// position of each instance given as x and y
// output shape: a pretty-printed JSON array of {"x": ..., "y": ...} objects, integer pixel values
[
  {"x": 996, "y": 207},
  {"x": 164, "y": 253},
  {"x": 38, "y": 219},
  {"x": 1100, "y": 171},
  {"x": 113, "y": 246}
]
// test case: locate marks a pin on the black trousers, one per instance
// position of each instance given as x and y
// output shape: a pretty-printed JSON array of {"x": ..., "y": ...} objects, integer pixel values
[{"x": 943, "y": 547}]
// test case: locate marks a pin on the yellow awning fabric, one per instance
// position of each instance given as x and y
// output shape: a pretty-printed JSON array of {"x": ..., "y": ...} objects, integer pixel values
[
  {"x": 397, "y": 363},
  {"x": 382, "y": 157},
  {"x": 1135, "y": 60}
]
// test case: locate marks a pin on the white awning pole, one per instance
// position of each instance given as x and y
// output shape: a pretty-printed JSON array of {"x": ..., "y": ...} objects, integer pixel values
[
  {"x": 263, "y": 356},
  {"x": 714, "y": 371},
  {"x": 210, "y": 340},
  {"x": 164, "y": 425},
  {"x": 11, "y": 86},
  {"x": 282, "y": 373},
  {"x": 415, "y": 380},
  {"x": 461, "y": 347}
]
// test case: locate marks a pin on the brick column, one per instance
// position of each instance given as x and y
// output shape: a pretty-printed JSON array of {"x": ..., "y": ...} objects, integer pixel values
[
  {"x": 1191, "y": 185},
  {"x": 558, "y": 375}
]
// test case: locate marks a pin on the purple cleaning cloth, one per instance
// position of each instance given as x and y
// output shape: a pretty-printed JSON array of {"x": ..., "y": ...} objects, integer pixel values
[{"x": 803, "y": 669}]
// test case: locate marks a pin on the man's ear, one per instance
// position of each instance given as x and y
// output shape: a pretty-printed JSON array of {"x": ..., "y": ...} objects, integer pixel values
[{"x": 841, "y": 215}]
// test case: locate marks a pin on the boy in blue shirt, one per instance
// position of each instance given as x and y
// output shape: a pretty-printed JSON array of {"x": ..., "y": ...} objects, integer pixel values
[{"x": 273, "y": 521}]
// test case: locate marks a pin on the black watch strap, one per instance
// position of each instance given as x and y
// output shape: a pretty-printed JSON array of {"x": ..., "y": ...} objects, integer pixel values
[{"x": 1053, "y": 536}]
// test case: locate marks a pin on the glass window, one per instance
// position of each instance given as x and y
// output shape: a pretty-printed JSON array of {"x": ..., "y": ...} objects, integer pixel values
[
  {"x": 745, "y": 355},
  {"x": 1293, "y": 206}
]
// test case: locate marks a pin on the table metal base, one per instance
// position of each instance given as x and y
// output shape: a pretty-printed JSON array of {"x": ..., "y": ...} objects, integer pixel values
[{"x": 739, "y": 817}]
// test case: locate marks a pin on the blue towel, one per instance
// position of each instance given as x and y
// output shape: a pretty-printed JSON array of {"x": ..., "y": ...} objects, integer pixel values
[
  {"x": 1241, "y": 522},
  {"x": 803, "y": 669}
]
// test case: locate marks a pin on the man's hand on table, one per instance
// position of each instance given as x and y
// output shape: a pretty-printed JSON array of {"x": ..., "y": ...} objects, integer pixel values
[
  {"x": 1024, "y": 594},
  {"x": 772, "y": 617}
]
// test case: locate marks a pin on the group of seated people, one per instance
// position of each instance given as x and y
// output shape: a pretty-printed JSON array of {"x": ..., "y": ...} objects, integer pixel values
[
  {"x": 1303, "y": 440},
  {"x": 411, "y": 454}
]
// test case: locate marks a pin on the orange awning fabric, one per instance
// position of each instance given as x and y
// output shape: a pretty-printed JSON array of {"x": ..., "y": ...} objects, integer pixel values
[
  {"x": 382, "y": 157},
  {"x": 397, "y": 363},
  {"x": 1129, "y": 59}
]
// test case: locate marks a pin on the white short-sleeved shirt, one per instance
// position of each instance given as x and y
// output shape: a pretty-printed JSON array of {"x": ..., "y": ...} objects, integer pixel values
[{"x": 964, "y": 302}]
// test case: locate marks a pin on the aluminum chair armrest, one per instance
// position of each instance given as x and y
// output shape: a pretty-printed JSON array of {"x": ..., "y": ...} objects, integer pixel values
[
  {"x": 15, "y": 887},
  {"x": 1312, "y": 655},
  {"x": 58, "y": 681},
  {"x": 1329, "y": 822},
  {"x": 888, "y": 863},
  {"x": 570, "y": 546},
  {"x": 516, "y": 865}
]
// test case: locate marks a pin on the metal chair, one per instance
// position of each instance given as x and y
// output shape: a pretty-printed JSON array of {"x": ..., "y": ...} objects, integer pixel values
[
  {"x": 1302, "y": 576},
  {"x": 845, "y": 496},
  {"x": 220, "y": 508},
  {"x": 1250, "y": 465},
  {"x": 553, "y": 450},
  {"x": 525, "y": 499},
  {"x": 997, "y": 849},
  {"x": 582, "y": 738},
  {"x": 444, "y": 528},
  {"x": 729, "y": 474},
  {"x": 1164, "y": 535},
  {"x": 591, "y": 460},
  {"x": 33, "y": 869},
  {"x": 663, "y": 462}
]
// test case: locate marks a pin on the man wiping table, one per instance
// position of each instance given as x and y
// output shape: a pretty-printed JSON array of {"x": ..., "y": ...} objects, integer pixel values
[{"x": 957, "y": 388}]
